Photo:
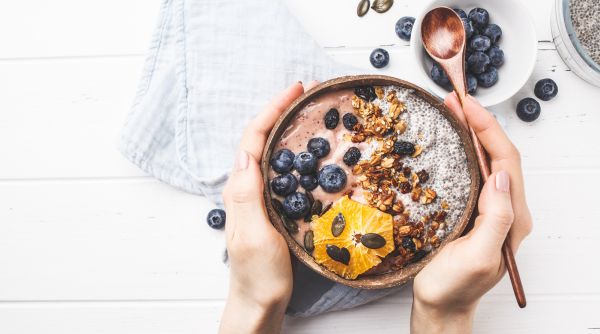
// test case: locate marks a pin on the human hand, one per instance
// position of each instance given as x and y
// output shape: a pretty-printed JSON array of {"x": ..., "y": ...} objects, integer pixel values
[
  {"x": 447, "y": 291},
  {"x": 261, "y": 274}
]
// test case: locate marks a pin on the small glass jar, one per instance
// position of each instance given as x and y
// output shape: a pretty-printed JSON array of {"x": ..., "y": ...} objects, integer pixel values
[{"x": 576, "y": 44}]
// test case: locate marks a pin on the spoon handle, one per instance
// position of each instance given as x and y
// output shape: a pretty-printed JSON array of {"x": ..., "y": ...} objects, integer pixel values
[{"x": 507, "y": 253}]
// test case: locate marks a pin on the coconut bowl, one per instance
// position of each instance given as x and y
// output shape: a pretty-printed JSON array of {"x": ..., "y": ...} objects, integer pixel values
[{"x": 389, "y": 279}]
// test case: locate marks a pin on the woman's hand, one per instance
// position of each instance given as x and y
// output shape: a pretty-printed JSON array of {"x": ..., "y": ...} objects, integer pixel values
[
  {"x": 447, "y": 291},
  {"x": 261, "y": 274}
]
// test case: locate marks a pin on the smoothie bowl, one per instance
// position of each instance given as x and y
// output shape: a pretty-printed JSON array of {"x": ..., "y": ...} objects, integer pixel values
[{"x": 367, "y": 178}]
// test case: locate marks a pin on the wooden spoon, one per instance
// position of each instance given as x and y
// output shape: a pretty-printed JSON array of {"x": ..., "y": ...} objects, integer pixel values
[{"x": 444, "y": 39}]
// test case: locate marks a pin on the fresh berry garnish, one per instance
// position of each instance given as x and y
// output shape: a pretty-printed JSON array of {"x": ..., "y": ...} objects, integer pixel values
[
  {"x": 480, "y": 18},
  {"x": 496, "y": 56},
  {"x": 332, "y": 178},
  {"x": 404, "y": 27},
  {"x": 284, "y": 184},
  {"x": 379, "y": 58},
  {"x": 408, "y": 244},
  {"x": 305, "y": 163},
  {"x": 460, "y": 12},
  {"x": 349, "y": 121},
  {"x": 488, "y": 78},
  {"x": 468, "y": 25},
  {"x": 494, "y": 32},
  {"x": 282, "y": 161},
  {"x": 216, "y": 218},
  {"x": 309, "y": 182},
  {"x": 352, "y": 156},
  {"x": 439, "y": 76},
  {"x": 528, "y": 109},
  {"x": 471, "y": 84},
  {"x": 332, "y": 117},
  {"x": 318, "y": 146},
  {"x": 404, "y": 148},
  {"x": 478, "y": 62},
  {"x": 296, "y": 205},
  {"x": 366, "y": 93},
  {"x": 545, "y": 89},
  {"x": 480, "y": 43}
]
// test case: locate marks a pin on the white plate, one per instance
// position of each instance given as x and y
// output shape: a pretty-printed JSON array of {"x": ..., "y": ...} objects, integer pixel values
[{"x": 518, "y": 41}]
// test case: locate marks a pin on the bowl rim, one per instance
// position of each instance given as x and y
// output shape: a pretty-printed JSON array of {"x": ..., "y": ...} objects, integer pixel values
[
  {"x": 394, "y": 278},
  {"x": 416, "y": 49}
]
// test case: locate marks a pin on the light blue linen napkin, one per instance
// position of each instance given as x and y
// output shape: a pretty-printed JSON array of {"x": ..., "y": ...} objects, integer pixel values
[{"x": 212, "y": 65}]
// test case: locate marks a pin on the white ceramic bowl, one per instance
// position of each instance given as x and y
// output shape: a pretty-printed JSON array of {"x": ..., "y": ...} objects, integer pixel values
[{"x": 518, "y": 42}]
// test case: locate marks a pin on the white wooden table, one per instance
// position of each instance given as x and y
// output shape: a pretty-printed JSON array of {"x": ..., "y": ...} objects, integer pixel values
[{"x": 89, "y": 244}]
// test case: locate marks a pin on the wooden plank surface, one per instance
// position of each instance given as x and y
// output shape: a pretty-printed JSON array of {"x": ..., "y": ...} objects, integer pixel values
[{"x": 88, "y": 244}]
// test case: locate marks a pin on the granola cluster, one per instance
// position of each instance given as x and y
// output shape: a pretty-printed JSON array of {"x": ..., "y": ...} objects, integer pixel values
[{"x": 386, "y": 174}]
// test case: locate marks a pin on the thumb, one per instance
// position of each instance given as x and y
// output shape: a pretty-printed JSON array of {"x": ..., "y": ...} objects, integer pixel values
[
  {"x": 495, "y": 213},
  {"x": 242, "y": 195}
]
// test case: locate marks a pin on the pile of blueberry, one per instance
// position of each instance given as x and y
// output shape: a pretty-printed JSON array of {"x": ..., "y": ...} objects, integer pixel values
[
  {"x": 528, "y": 109},
  {"x": 483, "y": 55},
  {"x": 331, "y": 178}
]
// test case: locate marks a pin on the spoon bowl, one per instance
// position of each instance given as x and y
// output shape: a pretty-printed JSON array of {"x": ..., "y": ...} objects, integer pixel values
[{"x": 442, "y": 33}]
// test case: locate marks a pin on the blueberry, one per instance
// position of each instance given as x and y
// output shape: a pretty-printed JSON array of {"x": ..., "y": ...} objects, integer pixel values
[
  {"x": 439, "y": 76},
  {"x": 404, "y": 148},
  {"x": 332, "y": 118},
  {"x": 408, "y": 244},
  {"x": 332, "y": 178},
  {"x": 404, "y": 27},
  {"x": 284, "y": 184},
  {"x": 318, "y": 146},
  {"x": 496, "y": 56},
  {"x": 309, "y": 182},
  {"x": 349, "y": 121},
  {"x": 366, "y": 93},
  {"x": 296, "y": 205},
  {"x": 352, "y": 156},
  {"x": 478, "y": 62},
  {"x": 546, "y": 89},
  {"x": 480, "y": 43},
  {"x": 305, "y": 163},
  {"x": 471, "y": 84},
  {"x": 493, "y": 31},
  {"x": 216, "y": 218},
  {"x": 379, "y": 58},
  {"x": 469, "y": 30},
  {"x": 528, "y": 109},
  {"x": 488, "y": 78},
  {"x": 480, "y": 18},
  {"x": 460, "y": 12},
  {"x": 282, "y": 161}
]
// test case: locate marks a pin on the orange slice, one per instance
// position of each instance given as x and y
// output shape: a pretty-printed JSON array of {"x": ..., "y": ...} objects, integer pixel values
[{"x": 359, "y": 220}]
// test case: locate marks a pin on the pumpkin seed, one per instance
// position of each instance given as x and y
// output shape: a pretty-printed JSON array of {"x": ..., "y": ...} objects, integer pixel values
[
  {"x": 363, "y": 8},
  {"x": 290, "y": 225},
  {"x": 341, "y": 255},
  {"x": 372, "y": 240},
  {"x": 277, "y": 206},
  {"x": 338, "y": 224},
  {"x": 316, "y": 208},
  {"x": 309, "y": 244},
  {"x": 326, "y": 208},
  {"x": 310, "y": 197},
  {"x": 382, "y": 6}
]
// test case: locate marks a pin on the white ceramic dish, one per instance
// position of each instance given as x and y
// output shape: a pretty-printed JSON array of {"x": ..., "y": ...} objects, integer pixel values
[{"x": 519, "y": 43}]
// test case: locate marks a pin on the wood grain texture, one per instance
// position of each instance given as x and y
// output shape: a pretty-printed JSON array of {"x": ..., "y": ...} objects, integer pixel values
[{"x": 90, "y": 245}]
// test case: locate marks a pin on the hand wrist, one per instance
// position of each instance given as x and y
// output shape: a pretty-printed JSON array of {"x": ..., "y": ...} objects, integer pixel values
[
  {"x": 244, "y": 314},
  {"x": 428, "y": 318}
]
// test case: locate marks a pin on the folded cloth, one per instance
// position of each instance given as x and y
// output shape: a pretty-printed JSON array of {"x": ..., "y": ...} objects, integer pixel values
[{"x": 212, "y": 65}]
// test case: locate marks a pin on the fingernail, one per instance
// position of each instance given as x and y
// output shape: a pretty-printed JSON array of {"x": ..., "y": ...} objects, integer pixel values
[
  {"x": 502, "y": 181},
  {"x": 300, "y": 82},
  {"x": 241, "y": 161}
]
